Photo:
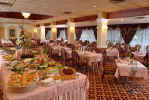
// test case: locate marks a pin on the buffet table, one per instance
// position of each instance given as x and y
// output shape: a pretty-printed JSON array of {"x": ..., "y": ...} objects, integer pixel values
[
  {"x": 58, "y": 89},
  {"x": 126, "y": 68}
]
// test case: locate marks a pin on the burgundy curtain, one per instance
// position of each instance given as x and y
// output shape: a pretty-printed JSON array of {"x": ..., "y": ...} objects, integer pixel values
[
  {"x": 95, "y": 31},
  {"x": 78, "y": 32},
  {"x": 128, "y": 33},
  {"x": 46, "y": 31}
]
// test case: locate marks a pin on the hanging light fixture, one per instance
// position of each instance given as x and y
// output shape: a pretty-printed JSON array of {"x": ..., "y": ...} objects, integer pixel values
[{"x": 26, "y": 15}]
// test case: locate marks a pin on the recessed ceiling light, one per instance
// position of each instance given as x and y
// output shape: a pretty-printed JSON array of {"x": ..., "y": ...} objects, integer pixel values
[{"x": 117, "y": 1}]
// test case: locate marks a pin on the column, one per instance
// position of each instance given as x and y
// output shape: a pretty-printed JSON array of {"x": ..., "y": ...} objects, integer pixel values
[
  {"x": 101, "y": 31},
  {"x": 53, "y": 32},
  {"x": 71, "y": 32},
  {"x": 6, "y": 35},
  {"x": 35, "y": 31},
  {"x": 42, "y": 33}
]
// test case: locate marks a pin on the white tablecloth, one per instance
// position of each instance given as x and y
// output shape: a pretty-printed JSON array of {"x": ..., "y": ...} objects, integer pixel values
[
  {"x": 62, "y": 90},
  {"x": 125, "y": 69},
  {"x": 139, "y": 54},
  {"x": 91, "y": 56},
  {"x": 112, "y": 52}
]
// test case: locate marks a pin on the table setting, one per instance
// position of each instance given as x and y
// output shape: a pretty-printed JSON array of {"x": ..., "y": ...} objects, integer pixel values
[
  {"x": 126, "y": 66},
  {"x": 111, "y": 51},
  {"x": 138, "y": 54},
  {"x": 90, "y": 56}
]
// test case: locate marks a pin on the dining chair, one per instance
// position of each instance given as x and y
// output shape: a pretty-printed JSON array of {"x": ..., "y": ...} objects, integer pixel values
[
  {"x": 75, "y": 58},
  {"x": 109, "y": 70}
]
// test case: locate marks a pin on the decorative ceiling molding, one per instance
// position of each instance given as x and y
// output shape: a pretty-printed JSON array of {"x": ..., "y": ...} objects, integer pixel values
[
  {"x": 47, "y": 24},
  {"x": 18, "y": 15},
  {"x": 86, "y": 18},
  {"x": 129, "y": 13},
  {"x": 79, "y": 19},
  {"x": 111, "y": 15},
  {"x": 61, "y": 22}
]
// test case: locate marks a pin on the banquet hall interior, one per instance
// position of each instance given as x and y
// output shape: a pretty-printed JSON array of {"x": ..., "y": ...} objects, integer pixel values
[{"x": 74, "y": 49}]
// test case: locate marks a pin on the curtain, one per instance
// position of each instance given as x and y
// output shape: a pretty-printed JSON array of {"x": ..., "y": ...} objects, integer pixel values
[
  {"x": 114, "y": 35},
  {"x": 62, "y": 35},
  {"x": 60, "y": 30},
  {"x": 128, "y": 33},
  {"x": 48, "y": 35},
  {"x": 78, "y": 32},
  {"x": 88, "y": 34},
  {"x": 95, "y": 31},
  {"x": 141, "y": 37}
]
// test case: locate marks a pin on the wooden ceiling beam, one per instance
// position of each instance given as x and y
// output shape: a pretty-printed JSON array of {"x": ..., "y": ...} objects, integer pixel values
[
  {"x": 86, "y": 18},
  {"x": 18, "y": 15},
  {"x": 61, "y": 22},
  {"x": 129, "y": 13}
]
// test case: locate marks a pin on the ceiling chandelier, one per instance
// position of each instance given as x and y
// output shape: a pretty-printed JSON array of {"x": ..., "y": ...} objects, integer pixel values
[{"x": 26, "y": 15}]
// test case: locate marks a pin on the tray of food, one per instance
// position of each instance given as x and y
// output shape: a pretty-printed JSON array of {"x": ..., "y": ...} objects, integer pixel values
[{"x": 20, "y": 83}]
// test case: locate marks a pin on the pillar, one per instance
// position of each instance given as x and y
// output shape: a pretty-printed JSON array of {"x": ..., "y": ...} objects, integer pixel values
[
  {"x": 53, "y": 32},
  {"x": 101, "y": 31},
  {"x": 42, "y": 33},
  {"x": 71, "y": 32},
  {"x": 6, "y": 35}
]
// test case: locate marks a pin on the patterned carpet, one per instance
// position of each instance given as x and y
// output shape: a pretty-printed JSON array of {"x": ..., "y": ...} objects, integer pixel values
[{"x": 110, "y": 89}]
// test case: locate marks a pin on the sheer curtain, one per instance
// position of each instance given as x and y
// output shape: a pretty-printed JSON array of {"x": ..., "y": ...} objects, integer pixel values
[
  {"x": 62, "y": 35},
  {"x": 48, "y": 35},
  {"x": 142, "y": 38},
  {"x": 114, "y": 35},
  {"x": 88, "y": 34}
]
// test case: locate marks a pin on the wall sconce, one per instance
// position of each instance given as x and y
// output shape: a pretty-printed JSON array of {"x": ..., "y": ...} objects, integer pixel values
[
  {"x": 35, "y": 30},
  {"x": 72, "y": 29},
  {"x": 104, "y": 25},
  {"x": 104, "y": 28},
  {"x": 54, "y": 29}
]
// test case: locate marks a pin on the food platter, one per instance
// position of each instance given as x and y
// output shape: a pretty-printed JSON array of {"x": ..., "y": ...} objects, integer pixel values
[
  {"x": 67, "y": 73},
  {"x": 22, "y": 82},
  {"x": 28, "y": 73}
]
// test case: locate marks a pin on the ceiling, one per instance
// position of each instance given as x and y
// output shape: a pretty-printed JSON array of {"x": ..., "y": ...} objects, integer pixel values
[{"x": 79, "y": 8}]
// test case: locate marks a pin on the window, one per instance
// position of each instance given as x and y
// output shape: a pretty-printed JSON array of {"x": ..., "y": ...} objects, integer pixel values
[{"x": 88, "y": 34}]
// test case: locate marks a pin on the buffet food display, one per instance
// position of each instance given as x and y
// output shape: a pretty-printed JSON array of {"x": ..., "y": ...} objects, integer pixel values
[{"x": 28, "y": 72}]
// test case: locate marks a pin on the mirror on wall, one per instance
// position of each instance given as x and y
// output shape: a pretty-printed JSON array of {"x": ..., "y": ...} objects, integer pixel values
[{"x": 12, "y": 32}]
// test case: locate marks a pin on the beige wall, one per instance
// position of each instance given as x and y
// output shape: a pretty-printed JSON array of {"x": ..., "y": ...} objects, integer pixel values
[
  {"x": 28, "y": 30},
  {"x": 1, "y": 32}
]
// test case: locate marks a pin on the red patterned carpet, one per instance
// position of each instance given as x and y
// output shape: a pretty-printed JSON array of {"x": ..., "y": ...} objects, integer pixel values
[{"x": 108, "y": 89}]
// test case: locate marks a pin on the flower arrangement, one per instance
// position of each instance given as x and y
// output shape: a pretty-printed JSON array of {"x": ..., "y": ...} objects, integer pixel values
[{"x": 20, "y": 39}]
